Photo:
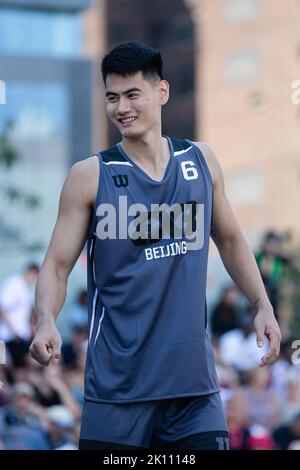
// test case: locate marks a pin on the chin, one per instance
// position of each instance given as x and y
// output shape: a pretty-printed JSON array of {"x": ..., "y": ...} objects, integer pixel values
[{"x": 130, "y": 133}]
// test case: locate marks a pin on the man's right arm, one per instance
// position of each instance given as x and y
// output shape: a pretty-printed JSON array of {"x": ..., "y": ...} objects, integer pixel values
[{"x": 67, "y": 241}]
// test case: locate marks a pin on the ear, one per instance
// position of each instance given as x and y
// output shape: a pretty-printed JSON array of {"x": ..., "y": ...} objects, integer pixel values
[{"x": 164, "y": 90}]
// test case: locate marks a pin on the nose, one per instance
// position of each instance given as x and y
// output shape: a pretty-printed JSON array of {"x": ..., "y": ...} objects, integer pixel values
[{"x": 124, "y": 105}]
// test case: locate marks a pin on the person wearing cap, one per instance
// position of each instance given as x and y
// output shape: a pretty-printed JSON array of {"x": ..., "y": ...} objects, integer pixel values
[
  {"x": 21, "y": 421},
  {"x": 61, "y": 424}
]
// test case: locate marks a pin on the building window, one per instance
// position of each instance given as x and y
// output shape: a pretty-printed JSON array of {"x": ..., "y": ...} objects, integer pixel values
[
  {"x": 242, "y": 66},
  {"x": 238, "y": 11},
  {"x": 36, "y": 33}
]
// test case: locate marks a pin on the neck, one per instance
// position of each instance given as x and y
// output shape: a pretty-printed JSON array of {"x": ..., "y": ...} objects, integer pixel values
[{"x": 150, "y": 150}]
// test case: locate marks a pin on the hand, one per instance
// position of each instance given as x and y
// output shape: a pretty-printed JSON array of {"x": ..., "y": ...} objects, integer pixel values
[
  {"x": 46, "y": 345},
  {"x": 265, "y": 325}
]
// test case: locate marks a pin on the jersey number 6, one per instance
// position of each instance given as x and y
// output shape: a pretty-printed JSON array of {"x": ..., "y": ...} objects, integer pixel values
[{"x": 189, "y": 171}]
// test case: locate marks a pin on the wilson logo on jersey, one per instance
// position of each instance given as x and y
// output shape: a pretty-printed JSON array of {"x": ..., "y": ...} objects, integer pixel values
[{"x": 120, "y": 180}]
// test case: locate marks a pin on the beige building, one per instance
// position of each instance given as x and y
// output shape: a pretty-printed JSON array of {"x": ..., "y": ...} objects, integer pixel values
[
  {"x": 95, "y": 45},
  {"x": 248, "y": 58}
]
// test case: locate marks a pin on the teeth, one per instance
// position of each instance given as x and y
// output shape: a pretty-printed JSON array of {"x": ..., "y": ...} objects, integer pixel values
[{"x": 128, "y": 119}]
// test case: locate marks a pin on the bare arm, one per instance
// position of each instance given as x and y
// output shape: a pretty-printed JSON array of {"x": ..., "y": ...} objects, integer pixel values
[
  {"x": 68, "y": 239},
  {"x": 239, "y": 260}
]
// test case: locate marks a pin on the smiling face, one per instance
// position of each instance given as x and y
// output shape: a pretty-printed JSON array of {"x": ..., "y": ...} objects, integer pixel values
[{"x": 133, "y": 103}]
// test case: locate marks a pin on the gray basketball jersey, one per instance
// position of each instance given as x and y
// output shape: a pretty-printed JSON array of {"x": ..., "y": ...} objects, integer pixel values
[{"x": 147, "y": 265}]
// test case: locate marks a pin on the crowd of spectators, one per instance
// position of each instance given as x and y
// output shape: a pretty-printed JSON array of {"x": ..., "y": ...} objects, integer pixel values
[
  {"x": 40, "y": 407},
  {"x": 262, "y": 403}
]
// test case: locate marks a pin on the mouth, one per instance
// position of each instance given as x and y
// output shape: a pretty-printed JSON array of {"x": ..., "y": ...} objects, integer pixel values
[{"x": 127, "y": 121}]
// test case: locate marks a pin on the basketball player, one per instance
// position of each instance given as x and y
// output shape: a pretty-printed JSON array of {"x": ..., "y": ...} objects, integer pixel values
[{"x": 150, "y": 379}]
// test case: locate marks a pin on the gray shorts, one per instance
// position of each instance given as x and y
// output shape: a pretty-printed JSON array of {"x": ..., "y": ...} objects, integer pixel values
[{"x": 171, "y": 423}]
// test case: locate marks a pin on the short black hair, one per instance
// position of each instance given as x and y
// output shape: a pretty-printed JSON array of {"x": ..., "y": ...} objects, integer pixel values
[{"x": 129, "y": 58}]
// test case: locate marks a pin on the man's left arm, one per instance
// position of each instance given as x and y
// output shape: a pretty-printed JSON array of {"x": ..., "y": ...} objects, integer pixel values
[{"x": 239, "y": 261}]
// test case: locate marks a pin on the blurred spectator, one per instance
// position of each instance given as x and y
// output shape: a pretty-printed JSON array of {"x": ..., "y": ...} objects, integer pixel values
[
  {"x": 292, "y": 402},
  {"x": 71, "y": 350},
  {"x": 61, "y": 425},
  {"x": 238, "y": 347},
  {"x": 75, "y": 377},
  {"x": 271, "y": 261},
  {"x": 285, "y": 435},
  {"x": 260, "y": 439},
  {"x": 225, "y": 316},
  {"x": 283, "y": 364},
  {"x": 78, "y": 316},
  {"x": 227, "y": 375},
  {"x": 236, "y": 413},
  {"x": 51, "y": 388},
  {"x": 286, "y": 381},
  {"x": 21, "y": 421},
  {"x": 263, "y": 407},
  {"x": 16, "y": 301}
]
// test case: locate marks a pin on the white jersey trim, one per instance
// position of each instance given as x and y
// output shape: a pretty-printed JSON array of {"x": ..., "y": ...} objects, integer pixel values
[
  {"x": 180, "y": 152},
  {"x": 99, "y": 325},
  {"x": 93, "y": 314},
  {"x": 117, "y": 163}
]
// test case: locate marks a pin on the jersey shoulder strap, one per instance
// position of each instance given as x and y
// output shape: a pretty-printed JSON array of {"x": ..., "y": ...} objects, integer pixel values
[
  {"x": 180, "y": 144},
  {"x": 111, "y": 154}
]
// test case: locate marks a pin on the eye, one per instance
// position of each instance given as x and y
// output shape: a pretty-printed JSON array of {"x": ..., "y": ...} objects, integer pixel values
[
  {"x": 112, "y": 99},
  {"x": 133, "y": 95}
]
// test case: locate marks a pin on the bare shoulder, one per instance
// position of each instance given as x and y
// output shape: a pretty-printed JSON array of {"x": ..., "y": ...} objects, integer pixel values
[
  {"x": 83, "y": 179},
  {"x": 85, "y": 168},
  {"x": 211, "y": 161}
]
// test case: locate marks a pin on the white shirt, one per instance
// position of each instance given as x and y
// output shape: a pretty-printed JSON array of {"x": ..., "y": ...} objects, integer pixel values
[
  {"x": 16, "y": 302},
  {"x": 240, "y": 351}
]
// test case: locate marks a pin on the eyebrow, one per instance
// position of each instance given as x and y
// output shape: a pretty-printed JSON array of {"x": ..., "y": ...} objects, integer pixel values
[{"x": 111, "y": 93}]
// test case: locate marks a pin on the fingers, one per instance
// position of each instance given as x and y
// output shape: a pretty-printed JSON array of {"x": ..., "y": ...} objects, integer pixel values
[
  {"x": 44, "y": 353},
  {"x": 260, "y": 337},
  {"x": 46, "y": 345},
  {"x": 56, "y": 352},
  {"x": 40, "y": 352},
  {"x": 260, "y": 333},
  {"x": 274, "y": 348}
]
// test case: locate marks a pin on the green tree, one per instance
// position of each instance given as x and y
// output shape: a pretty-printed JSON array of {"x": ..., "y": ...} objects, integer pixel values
[{"x": 9, "y": 157}]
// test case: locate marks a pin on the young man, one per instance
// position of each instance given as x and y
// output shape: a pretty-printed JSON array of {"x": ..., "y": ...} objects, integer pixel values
[
  {"x": 150, "y": 379},
  {"x": 16, "y": 302}
]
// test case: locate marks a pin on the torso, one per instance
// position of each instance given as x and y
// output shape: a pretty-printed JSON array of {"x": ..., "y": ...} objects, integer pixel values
[
  {"x": 147, "y": 308},
  {"x": 94, "y": 171}
]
